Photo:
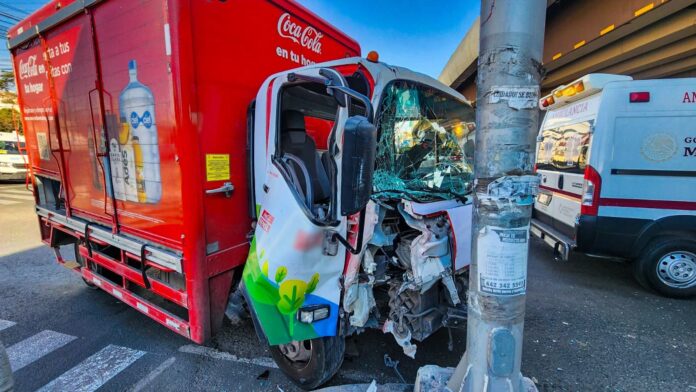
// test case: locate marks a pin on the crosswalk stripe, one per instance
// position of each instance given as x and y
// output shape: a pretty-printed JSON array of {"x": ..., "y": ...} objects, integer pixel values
[
  {"x": 32, "y": 348},
  {"x": 22, "y": 192},
  {"x": 145, "y": 381},
  {"x": 95, "y": 371},
  {"x": 16, "y": 197},
  {"x": 8, "y": 203},
  {"x": 4, "y": 324}
]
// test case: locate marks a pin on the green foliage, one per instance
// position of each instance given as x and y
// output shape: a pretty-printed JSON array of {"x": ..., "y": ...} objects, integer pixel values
[
  {"x": 7, "y": 122},
  {"x": 7, "y": 81}
]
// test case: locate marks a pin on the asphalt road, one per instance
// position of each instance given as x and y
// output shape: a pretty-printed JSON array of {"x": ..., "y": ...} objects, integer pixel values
[{"x": 589, "y": 327}]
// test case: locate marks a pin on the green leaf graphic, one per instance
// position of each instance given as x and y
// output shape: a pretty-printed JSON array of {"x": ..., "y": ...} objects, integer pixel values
[
  {"x": 313, "y": 282},
  {"x": 281, "y": 273}
]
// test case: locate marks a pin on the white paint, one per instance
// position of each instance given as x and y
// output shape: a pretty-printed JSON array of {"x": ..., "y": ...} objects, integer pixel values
[
  {"x": 215, "y": 354},
  {"x": 33, "y": 348},
  {"x": 16, "y": 191},
  {"x": 90, "y": 374},
  {"x": 140, "y": 385},
  {"x": 167, "y": 40},
  {"x": 142, "y": 307},
  {"x": 4, "y": 324},
  {"x": 172, "y": 323},
  {"x": 8, "y": 203},
  {"x": 117, "y": 294}
]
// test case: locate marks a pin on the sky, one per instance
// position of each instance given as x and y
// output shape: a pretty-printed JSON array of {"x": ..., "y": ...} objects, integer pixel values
[{"x": 417, "y": 34}]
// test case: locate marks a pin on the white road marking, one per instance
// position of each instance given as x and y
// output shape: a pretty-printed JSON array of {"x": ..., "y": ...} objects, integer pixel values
[
  {"x": 140, "y": 385},
  {"x": 215, "y": 354},
  {"x": 5, "y": 196},
  {"x": 8, "y": 203},
  {"x": 32, "y": 348},
  {"x": 90, "y": 374},
  {"x": 4, "y": 324},
  {"x": 16, "y": 191}
]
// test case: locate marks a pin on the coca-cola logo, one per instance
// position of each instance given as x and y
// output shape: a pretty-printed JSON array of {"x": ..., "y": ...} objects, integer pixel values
[
  {"x": 307, "y": 36},
  {"x": 29, "y": 68}
]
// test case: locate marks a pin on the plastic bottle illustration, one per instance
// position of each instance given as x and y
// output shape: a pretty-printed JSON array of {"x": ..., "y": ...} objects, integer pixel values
[{"x": 140, "y": 164}]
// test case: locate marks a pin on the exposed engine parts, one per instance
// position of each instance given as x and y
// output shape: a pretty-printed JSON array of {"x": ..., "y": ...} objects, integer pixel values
[{"x": 406, "y": 282}]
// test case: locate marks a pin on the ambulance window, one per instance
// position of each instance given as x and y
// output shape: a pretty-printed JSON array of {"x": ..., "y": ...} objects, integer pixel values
[{"x": 564, "y": 148}]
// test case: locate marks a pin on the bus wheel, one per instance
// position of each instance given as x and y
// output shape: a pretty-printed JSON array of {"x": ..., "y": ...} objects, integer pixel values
[
  {"x": 668, "y": 265},
  {"x": 310, "y": 363}
]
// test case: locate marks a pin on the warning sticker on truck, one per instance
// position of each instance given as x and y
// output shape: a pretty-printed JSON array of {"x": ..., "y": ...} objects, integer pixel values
[
  {"x": 217, "y": 167},
  {"x": 502, "y": 260}
]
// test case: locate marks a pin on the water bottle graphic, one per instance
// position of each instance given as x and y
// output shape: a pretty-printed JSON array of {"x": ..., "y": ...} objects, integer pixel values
[{"x": 138, "y": 146}]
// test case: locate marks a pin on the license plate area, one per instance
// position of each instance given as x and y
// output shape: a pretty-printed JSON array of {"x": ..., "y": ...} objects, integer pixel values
[{"x": 544, "y": 198}]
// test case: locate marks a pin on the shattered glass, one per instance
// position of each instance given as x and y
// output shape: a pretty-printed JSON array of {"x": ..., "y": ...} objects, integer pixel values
[{"x": 425, "y": 150}]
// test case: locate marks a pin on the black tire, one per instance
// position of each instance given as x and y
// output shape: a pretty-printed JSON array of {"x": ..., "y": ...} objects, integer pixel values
[
  {"x": 675, "y": 255},
  {"x": 326, "y": 357}
]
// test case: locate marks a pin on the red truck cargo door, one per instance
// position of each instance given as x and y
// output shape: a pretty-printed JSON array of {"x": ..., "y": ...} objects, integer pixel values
[{"x": 61, "y": 105}]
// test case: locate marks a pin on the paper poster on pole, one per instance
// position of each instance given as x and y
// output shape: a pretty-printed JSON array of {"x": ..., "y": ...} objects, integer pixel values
[{"x": 502, "y": 260}]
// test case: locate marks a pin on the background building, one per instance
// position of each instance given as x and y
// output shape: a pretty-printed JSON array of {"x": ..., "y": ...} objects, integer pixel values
[{"x": 641, "y": 38}]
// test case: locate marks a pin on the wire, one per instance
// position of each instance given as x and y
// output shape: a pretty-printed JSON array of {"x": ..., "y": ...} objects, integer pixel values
[
  {"x": 3, "y": 4},
  {"x": 10, "y": 16}
]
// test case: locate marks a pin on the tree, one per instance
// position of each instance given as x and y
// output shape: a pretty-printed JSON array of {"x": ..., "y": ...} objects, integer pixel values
[
  {"x": 7, "y": 81},
  {"x": 8, "y": 121}
]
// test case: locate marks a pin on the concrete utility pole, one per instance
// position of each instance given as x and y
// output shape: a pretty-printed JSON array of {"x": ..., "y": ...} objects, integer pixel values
[{"x": 509, "y": 70}]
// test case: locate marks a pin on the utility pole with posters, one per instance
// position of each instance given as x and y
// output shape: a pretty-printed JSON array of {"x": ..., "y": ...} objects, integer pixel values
[{"x": 507, "y": 116}]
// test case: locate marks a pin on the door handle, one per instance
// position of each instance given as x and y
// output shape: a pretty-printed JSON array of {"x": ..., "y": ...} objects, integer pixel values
[
  {"x": 227, "y": 188},
  {"x": 560, "y": 182}
]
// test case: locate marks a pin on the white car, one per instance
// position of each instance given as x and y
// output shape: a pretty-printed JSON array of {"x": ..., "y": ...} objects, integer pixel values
[
  {"x": 13, "y": 158},
  {"x": 617, "y": 159}
]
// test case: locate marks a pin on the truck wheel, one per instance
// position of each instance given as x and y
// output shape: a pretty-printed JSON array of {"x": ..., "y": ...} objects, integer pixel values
[
  {"x": 310, "y": 363},
  {"x": 668, "y": 265}
]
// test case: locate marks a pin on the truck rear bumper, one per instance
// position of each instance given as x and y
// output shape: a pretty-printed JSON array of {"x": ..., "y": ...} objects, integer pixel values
[{"x": 561, "y": 243}]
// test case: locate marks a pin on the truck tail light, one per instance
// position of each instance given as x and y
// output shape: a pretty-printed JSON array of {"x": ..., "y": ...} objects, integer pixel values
[
  {"x": 639, "y": 96},
  {"x": 590, "y": 192}
]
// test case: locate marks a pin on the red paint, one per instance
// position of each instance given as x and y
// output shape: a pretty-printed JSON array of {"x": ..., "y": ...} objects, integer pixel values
[
  {"x": 562, "y": 192},
  {"x": 642, "y": 203},
  {"x": 221, "y": 52}
]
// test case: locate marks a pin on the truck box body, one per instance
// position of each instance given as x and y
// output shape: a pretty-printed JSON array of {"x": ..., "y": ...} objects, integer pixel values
[{"x": 136, "y": 108}]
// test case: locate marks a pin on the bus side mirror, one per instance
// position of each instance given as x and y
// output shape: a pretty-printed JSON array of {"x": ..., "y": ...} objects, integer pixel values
[{"x": 358, "y": 164}]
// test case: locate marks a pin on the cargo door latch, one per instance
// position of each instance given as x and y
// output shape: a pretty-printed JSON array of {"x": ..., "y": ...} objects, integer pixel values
[{"x": 226, "y": 188}]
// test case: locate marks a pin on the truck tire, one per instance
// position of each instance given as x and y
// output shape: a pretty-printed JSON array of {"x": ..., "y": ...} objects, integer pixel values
[
  {"x": 310, "y": 363},
  {"x": 668, "y": 266}
]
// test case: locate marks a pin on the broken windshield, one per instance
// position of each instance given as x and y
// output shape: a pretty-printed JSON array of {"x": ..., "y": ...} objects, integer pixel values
[{"x": 426, "y": 143}]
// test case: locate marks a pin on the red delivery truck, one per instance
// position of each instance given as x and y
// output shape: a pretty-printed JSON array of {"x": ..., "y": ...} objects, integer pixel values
[{"x": 202, "y": 153}]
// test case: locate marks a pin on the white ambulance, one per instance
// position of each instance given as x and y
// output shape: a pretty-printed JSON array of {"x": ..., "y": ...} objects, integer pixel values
[{"x": 617, "y": 160}]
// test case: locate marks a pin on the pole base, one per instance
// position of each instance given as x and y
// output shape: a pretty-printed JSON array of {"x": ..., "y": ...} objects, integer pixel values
[{"x": 431, "y": 378}]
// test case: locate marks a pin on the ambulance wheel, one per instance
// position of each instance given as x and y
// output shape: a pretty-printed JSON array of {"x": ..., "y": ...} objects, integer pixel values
[
  {"x": 668, "y": 265},
  {"x": 81, "y": 261},
  {"x": 310, "y": 363}
]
